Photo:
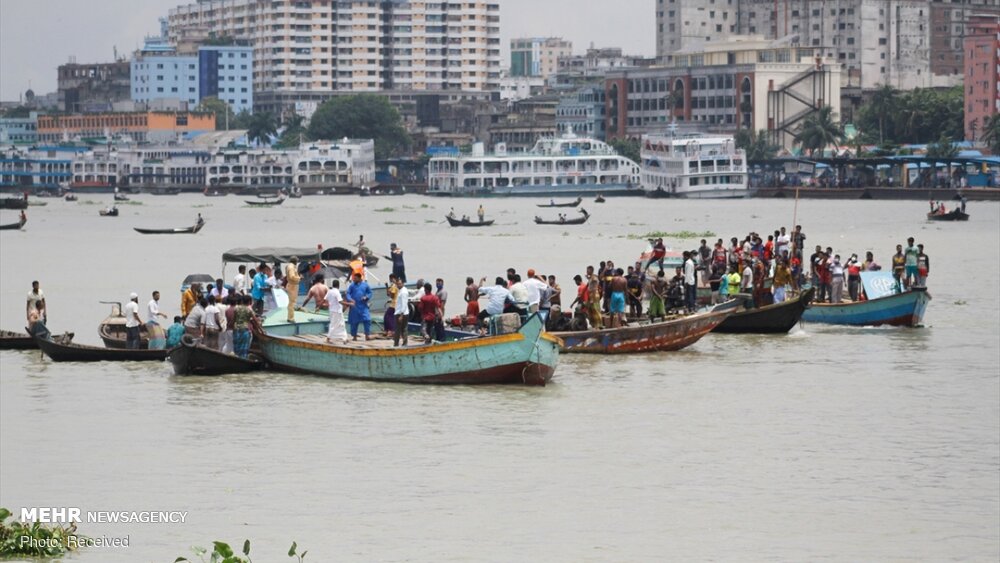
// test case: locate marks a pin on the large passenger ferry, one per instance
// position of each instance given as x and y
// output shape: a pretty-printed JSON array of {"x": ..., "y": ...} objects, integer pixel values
[
  {"x": 565, "y": 166},
  {"x": 693, "y": 166}
]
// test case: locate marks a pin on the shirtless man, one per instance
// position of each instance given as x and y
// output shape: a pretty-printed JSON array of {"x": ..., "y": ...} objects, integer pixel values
[
  {"x": 618, "y": 286},
  {"x": 471, "y": 299},
  {"x": 317, "y": 294}
]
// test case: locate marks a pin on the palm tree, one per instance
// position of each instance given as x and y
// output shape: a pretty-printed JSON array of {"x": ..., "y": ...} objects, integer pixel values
[
  {"x": 262, "y": 127},
  {"x": 991, "y": 134},
  {"x": 818, "y": 130},
  {"x": 882, "y": 103},
  {"x": 756, "y": 145}
]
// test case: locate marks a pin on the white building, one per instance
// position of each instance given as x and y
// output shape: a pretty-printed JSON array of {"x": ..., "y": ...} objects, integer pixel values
[
  {"x": 321, "y": 46},
  {"x": 514, "y": 88}
]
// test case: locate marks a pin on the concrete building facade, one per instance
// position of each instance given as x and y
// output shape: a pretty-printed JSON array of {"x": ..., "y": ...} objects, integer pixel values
[
  {"x": 981, "y": 48},
  {"x": 92, "y": 87},
  {"x": 582, "y": 112},
  {"x": 150, "y": 126},
  {"x": 538, "y": 56},
  {"x": 19, "y": 130},
  {"x": 326, "y": 46}
]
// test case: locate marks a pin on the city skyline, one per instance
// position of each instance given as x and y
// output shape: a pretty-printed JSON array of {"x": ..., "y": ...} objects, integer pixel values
[{"x": 74, "y": 23}]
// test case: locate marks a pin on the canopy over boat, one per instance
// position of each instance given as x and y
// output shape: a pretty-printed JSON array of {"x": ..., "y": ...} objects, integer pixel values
[{"x": 271, "y": 254}]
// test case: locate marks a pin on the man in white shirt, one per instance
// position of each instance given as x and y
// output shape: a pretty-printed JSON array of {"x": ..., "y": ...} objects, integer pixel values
[
  {"x": 690, "y": 282},
  {"x": 34, "y": 296},
  {"x": 519, "y": 292},
  {"x": 219, "y": 292},
  {"x": 212, "y": 323},
  {"x": 402, "y": 313},
  {"x": 153, "y": 309},
  {"x": 534, "y": 286},
  {"x": 747, "y": 279},
  {"x": 240, "y": 281},
  {"x": 781, "y": 243},
  {"x": 335, "y": 301},
  {"x": 132, "y": 322}
]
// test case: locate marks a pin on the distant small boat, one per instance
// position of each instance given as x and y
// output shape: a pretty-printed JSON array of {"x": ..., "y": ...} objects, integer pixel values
[
  {"x": 71, "y": 197},
  {"x": 113, "y": 212},
  {"x": 10, "y": 340},
  {"x": 191, "y": 358},
  {"x": 599, "y": 199},
  {"x": 121, "y": 197},
  {"x": 38, "y": 203},
  {"x": 215, "y": 193},
  {"x": 14, "y": 226},
  {"x": 578, "y": 201},
  {"x": 59, "y": 351},
  {"x": 265, "y": 195},
  {"x": 265, "y": 203},
  {"x": 180, "y": 231},
  {"x": 468, "y": 223},
  {"x": 576, "y": 221},
  {"x": 954, "y": 215}
]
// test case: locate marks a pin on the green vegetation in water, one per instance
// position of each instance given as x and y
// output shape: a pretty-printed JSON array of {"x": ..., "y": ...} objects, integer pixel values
[
  {"x": 429, "y": 221},
  {"x": 397, "y": 223},
  {"x": 200, "y": 206},
  {"x": 223, "y": 553},
  {"x": 408, "y": 207},
  {"x": 675, "y": 235},
  {"x": 507, "y": 235},
  {"x": 425, "y": 206},
  {"x": 385, "y": 210},
  {"x": 34, "y": 539},
  {"x": 129, "y": 202}
]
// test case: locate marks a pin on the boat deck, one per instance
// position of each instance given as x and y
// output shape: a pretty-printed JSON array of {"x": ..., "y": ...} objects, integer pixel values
[{"x": 376, "y": 343}]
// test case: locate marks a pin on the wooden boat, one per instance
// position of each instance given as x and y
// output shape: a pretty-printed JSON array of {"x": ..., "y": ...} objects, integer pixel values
[
  {"x": 576, "y": 221},
  {"x": 121, "y": 197},
  {"x": 895, "y": 309},
  {"x": 575, "y": 203},
  {"x": 770, "y": 319},
  {"x": 10, "y": 340},
  {"x": 468, "y": 223},
  {"x": 527, "y": 356},
  {"x": 112, "y": 329},
  {"x": 191, "y": 358},
  {"x": 663, "y": 336},
  {"x": 71, "y": 197},
  {"x": 953, "y": 215},
  {"x": 214, "y": 193},
  {"x": 14, "y": 202},
  {"x": 113, "y": 212},
  {"x": 59, "y": 351},
  {"x": 265, "y": 203},
  {"x": 38, "y": 204},
  {"x": 186, "y": 230},
  {"x": 14, "y": 226},
  {"x": 599, "y": 199}
]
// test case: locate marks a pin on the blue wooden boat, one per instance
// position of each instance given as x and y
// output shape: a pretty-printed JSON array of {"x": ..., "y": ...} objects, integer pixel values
[
  {"x": 527, "y": 356},
  {"x": 895, "y": 309}
]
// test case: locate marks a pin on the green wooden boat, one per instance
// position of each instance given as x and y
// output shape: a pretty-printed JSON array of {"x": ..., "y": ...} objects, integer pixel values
[{"x": 528, "y": 356}]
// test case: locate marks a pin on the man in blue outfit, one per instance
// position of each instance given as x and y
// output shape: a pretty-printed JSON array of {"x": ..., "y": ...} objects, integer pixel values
[{"x": 360, "y": 293}]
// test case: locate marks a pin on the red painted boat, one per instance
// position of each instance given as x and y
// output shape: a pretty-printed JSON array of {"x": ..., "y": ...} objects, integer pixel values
[{"x": 663, "y": 336}]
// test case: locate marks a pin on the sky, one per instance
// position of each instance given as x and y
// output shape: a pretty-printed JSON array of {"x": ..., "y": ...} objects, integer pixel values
[{"x": 36, "y": 36}]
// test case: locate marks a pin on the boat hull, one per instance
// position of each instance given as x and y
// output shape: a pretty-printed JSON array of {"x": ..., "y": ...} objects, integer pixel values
[
  {"x": 461, "y": 223},
  {"x": 16, "y": 341},
  {"x": 192, "y": 359},
  {"x": 736, "y": 193},
  {"x": 956, "y": 215},
  {"x": 566, "y": 190},
  {"x": 526, "y": 357},
  {"x": 771, "y": 319},
  {"x": 900, "y": 309},
  {"x": 664, "y": 336},
  {"x": 58, "y": 352}
]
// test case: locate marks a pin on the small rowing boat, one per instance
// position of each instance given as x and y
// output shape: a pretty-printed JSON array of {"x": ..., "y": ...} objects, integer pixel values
[
  {"x": 60, "y": 351},
  {"x": 552, "y": 203},
  {"x": 265, "y": 202},
  {"x": 15, "y": 226},
  {"x": 185, "y": 230},
  {"x": 468, "y": 223},
  {"x": 771, "y": 319},
  {"x": 564, "y": 221},
  {"x": 954, "y": 215},
  {"x": 191, "y": 358},
  {"x": 111, "y": 212},
  {"x": 663, "y": 336}
]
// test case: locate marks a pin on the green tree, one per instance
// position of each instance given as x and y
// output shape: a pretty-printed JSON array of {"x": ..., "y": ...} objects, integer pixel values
[
  {"x": 882, "y": 104},
  {"x": 261, "y": 128},
  {"x": 629, "y": 148},
  {"x": 221, "y": 110},
  {"x": 294, "y": 133},
  {"x": 916, "y": 116},
  {"x": 819, "y": 130},
  {"x": 362, "y": 116},
  {"x": 991, "y": 134},
  {"x": 756, "y": 145},
  {"x": 942, "y": 148}
]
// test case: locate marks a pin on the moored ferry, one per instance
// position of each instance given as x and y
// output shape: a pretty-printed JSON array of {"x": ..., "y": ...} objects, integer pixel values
[
  {"x": 693, "y": 166},
  {"x": 565, "y": 166}
]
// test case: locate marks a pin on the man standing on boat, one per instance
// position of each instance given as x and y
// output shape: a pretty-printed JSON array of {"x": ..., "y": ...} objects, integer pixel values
[
  {"x": 157, "y": 338},
  {"x": 292, "y": 279},
  {"x": 617, "y": 286},
  {"x": 132, "y": 322},
  {"x": 690, "y": 282},
  {"x": 259, "y": 288},
  {"x": 335, "y": 301},
  {"x": 912, "y": 275},
  {"x": 481, "y": 212},
  {"x": 923, "y": 267},
  {"x": 36, "y": 295},
  {"x": 317, "y": 293},
  {"x": 402, "y": 312},
  {"x": 471, "y": 299},
  {"x": 240, "y": 281},
  {"x": 398, "y": 266},
  {"x": 359, "y": 294}
]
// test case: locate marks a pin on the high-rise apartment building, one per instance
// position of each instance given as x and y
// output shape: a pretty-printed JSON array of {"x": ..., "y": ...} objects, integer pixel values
[
  {"x": 903, "y": 43},
  {"x": 538, "y": 56},
  {"x": 982, "y": 73},
  {"x": 320, "y": 47}
]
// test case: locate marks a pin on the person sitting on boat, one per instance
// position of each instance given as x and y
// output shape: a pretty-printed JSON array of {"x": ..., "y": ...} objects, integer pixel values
[
  {"x": 451, "y": 213},
  {"x": 200, "y": 221},
  {"x": 962, "y": 199},
  {"x": 562, "y": 218},
  {"x": 552, "y": 203},
  {"x": 175, "y": 332},
  {"x": 465, "y": 218},
  {"x": 36, "y": 321}
]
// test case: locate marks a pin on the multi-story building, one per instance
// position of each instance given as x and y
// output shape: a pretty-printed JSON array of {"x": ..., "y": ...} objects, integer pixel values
[
  {"x": 149, "y": 126},
  {"x": 321, "y": 46},
  {"x": 743, "y": 83},
  {"x": 904, "y": 43},
  {"x": 582, "y": 112},
  {"x": 538, "y": 56},
  {"x": 19, "y": 130},
  {"x": 92, "y": 87},
  {"x": 982, "y": 73},
  {"x": 225, "y": 72},
  {"x": 514, "y": 88},
  {"x": 575, "y": 70}
]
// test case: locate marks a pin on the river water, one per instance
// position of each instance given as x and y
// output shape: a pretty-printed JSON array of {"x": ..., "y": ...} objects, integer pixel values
[{"x": 828, "y": 443}]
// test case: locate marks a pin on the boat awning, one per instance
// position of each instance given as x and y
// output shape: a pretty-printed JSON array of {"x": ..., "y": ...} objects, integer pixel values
[{"x": 284, "y": 254}]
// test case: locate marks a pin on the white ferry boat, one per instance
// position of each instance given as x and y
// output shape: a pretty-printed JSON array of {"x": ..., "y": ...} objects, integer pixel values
[
  {"x": 565, "y": 166},
  {"x": 693, "y": 166}
]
